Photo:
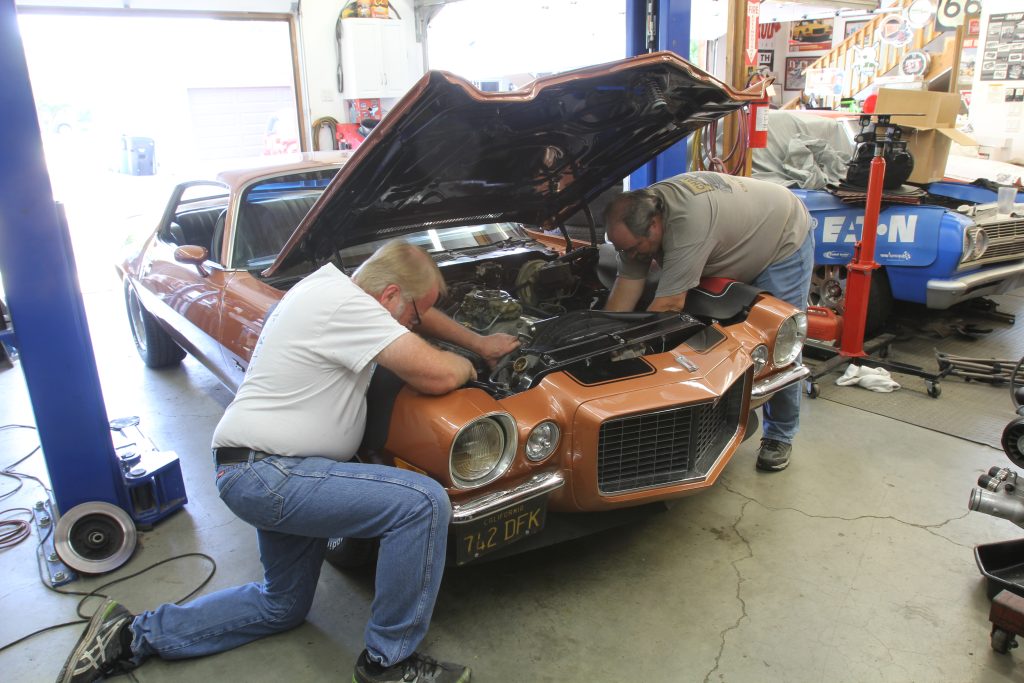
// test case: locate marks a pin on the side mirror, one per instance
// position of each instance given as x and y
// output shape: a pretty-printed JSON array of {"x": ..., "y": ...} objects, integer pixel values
[{"x": 194, "y": 255}]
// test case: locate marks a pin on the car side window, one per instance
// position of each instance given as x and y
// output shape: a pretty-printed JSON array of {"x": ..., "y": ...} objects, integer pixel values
[
  {"x": 268, "y": 214},
  {"x": 195, "y": 215}
]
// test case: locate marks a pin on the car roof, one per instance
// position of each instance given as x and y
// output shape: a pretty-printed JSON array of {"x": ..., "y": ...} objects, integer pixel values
[{"x": 271, "y": 166}]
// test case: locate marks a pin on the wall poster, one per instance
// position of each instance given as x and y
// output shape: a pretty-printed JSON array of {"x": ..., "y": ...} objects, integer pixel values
[
  {"x": 810, "y": 34},
  {"x": 795, "y": 67},
  {"x": 1002, "y": 57}
]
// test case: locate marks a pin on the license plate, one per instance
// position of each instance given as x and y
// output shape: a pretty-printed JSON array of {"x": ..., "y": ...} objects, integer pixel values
[{"x": 499, "y": 529}]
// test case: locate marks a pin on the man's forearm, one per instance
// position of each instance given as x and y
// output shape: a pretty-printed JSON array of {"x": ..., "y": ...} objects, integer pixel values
[
  {"x": 624, "y": 295},
  {"x": 668, "y": 303},
  {"x": 435, "y": 324}
]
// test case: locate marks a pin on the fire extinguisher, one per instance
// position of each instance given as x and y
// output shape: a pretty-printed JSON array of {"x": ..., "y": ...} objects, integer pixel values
[{"x": 758, "y": 127}]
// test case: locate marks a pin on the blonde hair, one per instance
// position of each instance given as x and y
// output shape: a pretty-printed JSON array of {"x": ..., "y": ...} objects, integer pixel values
[{"x": 402, "y": 264}]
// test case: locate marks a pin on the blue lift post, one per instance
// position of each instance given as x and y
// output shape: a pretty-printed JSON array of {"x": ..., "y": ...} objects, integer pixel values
[
  {"x": 41, "y": 284},
  {"x": 671, "y": 32}
]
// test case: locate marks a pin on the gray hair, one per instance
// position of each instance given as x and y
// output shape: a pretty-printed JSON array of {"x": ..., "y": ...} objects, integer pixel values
[
  {"x": 402, "y": 264},
  {"x": 635, "y": 210}
]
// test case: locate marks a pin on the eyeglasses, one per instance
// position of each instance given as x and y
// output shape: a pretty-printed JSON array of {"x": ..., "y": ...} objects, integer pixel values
[
  {"x": 628, "y": 252},
  {"x": 416, "y": 315}
]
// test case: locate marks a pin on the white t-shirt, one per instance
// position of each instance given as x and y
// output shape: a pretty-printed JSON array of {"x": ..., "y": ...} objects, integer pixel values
[{"x": 304, "y": 392}]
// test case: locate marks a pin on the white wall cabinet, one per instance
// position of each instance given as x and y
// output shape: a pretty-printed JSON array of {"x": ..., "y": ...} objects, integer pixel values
[{"x": 374, "y": 59}]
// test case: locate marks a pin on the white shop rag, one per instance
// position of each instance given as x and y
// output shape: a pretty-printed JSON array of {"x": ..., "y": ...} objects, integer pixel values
[{"x": 875, "y": 379}]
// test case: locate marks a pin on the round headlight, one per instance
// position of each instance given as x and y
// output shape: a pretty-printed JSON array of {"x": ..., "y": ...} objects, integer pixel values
[
  {"x": 482, "y": 451},
  {"x": 790, "y": 339},
  {"x": 760, "y": 357},
  {"x": 980, "y": 243},
  {"x": 975, "y": 243},
  {"x": 542, "y": 441}
]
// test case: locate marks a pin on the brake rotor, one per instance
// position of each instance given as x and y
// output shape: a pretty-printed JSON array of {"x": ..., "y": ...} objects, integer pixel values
[{"x": 94, "y": 538}]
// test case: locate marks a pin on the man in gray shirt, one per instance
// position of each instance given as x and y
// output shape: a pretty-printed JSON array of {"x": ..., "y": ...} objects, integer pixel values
[{"x": 713, "y": 225}]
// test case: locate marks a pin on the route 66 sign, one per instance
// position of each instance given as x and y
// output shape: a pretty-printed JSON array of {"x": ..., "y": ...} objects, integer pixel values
[{"x": 950, "y": 13}]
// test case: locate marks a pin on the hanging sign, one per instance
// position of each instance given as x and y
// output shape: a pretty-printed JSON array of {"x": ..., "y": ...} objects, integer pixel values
[
  {"x": 1002, "y": 57},
  {"x": 950, "y": 13},
  {"x": 894, "y": 31},
  {"x": 753, "y": 14},
  {"x": 914, "y": 63}
]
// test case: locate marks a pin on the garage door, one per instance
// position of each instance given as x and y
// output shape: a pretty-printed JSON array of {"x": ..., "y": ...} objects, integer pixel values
[{"x": 233, "y": 122}]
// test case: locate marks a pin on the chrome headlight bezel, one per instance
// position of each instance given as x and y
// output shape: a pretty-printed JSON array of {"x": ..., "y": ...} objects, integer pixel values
[
  {"x": 501, "y": 460},
  {"x": 542, "y": 441},
  {"x": 789, "y": 340},
  {"x": 975, "y": 243},
  {"x": 760, "y": 357}
]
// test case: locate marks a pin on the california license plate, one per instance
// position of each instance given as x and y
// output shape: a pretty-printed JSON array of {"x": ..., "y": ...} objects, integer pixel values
[{"x": 499, "y": 529}]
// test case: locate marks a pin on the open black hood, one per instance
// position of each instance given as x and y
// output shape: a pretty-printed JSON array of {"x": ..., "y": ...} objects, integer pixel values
[{"x": 449, "y": 154}]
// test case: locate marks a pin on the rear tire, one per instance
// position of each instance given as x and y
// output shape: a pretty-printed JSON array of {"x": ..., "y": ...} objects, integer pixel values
[{"x": 156, "y": 348}]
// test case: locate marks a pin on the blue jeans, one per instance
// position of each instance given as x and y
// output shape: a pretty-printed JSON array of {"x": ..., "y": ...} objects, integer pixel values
[
  {"x": 296, "y": 504},
  {"x": 789, "y": 280}
]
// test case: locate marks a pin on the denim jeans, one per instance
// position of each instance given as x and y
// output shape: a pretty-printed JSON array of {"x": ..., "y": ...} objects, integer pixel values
[
  {"x": 296, "y": 504},
  {"x": 789, "y": 280}
]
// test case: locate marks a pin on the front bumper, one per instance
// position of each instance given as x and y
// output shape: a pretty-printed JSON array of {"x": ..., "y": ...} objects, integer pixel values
[
  {"x": 942, "y": 294},
  {"x": 766, "y": 388},
  {"x": 496, "y": 501}
]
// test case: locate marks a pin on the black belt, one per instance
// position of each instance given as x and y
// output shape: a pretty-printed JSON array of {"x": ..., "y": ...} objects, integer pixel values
[{"x": 233, "y": 455}]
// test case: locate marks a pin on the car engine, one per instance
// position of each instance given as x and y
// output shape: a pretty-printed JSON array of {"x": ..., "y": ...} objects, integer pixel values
[{"x": 552, "y": 304}]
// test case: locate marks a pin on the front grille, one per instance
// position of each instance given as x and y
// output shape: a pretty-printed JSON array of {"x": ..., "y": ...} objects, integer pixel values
[
  {"x": 1005, "y": 243},
  {"x": 666, "y": 447}
]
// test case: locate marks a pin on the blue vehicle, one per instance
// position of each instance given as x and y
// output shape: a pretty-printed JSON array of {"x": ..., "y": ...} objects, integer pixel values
[{"x": 951, "y": 248}]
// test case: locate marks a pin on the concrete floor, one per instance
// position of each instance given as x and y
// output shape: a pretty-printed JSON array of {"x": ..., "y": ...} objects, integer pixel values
[{"x": 855, "y": 564}]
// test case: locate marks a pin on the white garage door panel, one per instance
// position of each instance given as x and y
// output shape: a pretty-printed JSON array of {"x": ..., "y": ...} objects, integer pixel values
[{"x": 231, "y": 122}]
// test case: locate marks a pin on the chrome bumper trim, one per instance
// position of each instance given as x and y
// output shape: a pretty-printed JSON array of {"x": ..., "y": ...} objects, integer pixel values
[
  {"x": 767, "y": 387},
  {"x": 942, "y": 294},
  {"x": 537, "y": 485}
]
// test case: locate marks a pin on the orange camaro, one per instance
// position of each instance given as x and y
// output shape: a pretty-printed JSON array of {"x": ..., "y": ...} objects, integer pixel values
[{"x": 598, "y": 416}]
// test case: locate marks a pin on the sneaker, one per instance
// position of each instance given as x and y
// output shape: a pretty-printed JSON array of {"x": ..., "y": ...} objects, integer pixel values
[
  {"x": 414, "y": 669},
  {"x": 102, "y": 649},
  {"x": 773, "y": 455}
]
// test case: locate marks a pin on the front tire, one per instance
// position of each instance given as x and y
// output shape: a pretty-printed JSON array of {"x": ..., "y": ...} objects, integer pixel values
[
  {"x": 352, "y": 553},
  {"x": 828, "y": 289},
  {"x": 155, "y": 346}
]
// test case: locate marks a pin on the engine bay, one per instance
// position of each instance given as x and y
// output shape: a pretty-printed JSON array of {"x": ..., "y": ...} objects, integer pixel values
[{"x": 552, "y": 304}]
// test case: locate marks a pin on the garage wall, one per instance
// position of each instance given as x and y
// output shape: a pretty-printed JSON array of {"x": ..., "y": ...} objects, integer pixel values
[
  {"x": 997, "y": 124},
  {"x": 318, "y": 54}
]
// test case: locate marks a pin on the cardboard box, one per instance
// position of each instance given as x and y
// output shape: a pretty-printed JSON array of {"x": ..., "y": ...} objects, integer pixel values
[{"x": 928, "y": 134}]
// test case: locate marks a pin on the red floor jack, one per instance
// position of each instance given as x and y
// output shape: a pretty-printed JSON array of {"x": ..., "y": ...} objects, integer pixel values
[{"x": 823, "y": 325}]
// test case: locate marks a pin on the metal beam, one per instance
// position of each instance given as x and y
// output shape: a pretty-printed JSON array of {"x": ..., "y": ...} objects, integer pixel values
[
  {"x": 653, "y": 25},
  {"x": 41, "y": 285}
]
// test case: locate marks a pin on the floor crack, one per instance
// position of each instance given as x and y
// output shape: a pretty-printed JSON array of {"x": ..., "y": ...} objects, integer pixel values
[
  {"x": 739, "y": 586},
  {"x": 930, "y": 528}
]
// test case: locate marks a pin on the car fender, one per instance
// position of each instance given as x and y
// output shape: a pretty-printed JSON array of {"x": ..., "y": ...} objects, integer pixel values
[{"x": 914, "y": 243}]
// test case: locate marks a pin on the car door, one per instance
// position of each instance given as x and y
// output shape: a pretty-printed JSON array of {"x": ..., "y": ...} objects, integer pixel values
[
  {"x": 268, "y": 211},
  {"x": 188, "y": 297},
  {"x": 247, "y": 304}
]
